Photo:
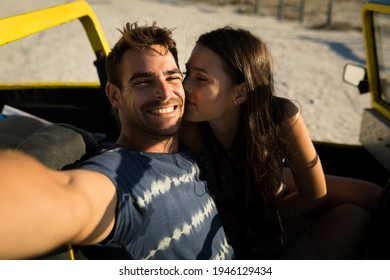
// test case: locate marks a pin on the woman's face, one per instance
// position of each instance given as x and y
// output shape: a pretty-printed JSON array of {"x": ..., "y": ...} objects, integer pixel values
[{"x": 209, "y": 90}]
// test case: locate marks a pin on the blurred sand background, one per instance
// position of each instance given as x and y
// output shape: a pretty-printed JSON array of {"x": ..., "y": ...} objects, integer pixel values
[{"x": 308, "y": 58}]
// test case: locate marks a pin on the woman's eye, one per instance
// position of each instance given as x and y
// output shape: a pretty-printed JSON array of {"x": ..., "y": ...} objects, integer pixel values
[
  {"x": 199, "y": 78},
  {"x": 202, "y": 79}
]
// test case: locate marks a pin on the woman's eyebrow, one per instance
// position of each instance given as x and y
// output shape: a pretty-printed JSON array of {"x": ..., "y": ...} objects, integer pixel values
[{"x": 196, "y": 69}]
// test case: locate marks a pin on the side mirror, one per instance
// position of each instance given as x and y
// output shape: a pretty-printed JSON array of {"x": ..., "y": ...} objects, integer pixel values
[{"x": 357, "y": 76}]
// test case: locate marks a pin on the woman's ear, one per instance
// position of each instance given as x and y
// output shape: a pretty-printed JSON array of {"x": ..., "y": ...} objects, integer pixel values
[
  {"x": 113, "y": 94},
  {"x": 240, "y": 94}
]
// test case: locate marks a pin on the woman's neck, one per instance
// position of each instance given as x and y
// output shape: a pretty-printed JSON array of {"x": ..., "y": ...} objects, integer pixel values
[{"x": 225, "y": 129}]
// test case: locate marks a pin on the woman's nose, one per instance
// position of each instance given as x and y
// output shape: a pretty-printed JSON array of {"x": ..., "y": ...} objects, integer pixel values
[{"x": 187, "y": 85}]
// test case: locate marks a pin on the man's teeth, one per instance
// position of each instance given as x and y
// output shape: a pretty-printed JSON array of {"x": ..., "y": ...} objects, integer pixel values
[{"x": 163, "y": 110}]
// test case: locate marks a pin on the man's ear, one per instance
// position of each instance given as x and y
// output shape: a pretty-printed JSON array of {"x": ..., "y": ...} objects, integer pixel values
[
  {"x": 113, "y": 94},
  {"x": 240, "y": 94}
]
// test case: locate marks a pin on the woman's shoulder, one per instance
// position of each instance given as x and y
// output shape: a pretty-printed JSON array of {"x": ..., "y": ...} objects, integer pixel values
[{"x": 289, "y": 108}]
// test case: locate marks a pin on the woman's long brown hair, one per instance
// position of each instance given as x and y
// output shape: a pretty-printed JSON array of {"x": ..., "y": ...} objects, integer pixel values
[{"x": 247, "y": 59}]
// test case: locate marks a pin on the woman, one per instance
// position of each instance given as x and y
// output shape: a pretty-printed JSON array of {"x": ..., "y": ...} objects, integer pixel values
[{"x": 242, "y": 134}]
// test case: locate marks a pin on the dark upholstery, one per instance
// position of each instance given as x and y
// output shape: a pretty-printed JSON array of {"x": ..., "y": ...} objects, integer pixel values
[{"x": 55, "y": 145}]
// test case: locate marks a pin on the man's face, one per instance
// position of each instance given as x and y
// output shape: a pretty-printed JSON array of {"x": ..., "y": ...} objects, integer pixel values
[{"x": 152, "y": 93}]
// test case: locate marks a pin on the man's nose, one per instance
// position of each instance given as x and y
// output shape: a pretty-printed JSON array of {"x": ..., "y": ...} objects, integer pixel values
[{"x": 163, "y": 90}]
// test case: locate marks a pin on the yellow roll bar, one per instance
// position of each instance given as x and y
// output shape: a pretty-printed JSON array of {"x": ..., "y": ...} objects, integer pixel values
[
  {"x": 372, "y": 65},
  {"x": 16, "y": 27}
]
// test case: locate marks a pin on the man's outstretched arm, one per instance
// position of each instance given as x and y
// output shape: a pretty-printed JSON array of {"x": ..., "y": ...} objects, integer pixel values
[{"x": 41, "y": 209}]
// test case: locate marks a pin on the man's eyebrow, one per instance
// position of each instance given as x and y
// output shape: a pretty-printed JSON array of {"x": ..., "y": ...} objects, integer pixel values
[
  {"x": 151, "y": 74},
  {"x": 173, "y": 71},
  {"x": 141, "y": 75}
]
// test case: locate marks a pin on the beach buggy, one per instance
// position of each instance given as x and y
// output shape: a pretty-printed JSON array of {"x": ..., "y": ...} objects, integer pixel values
[{"x": 82, "y": 107}]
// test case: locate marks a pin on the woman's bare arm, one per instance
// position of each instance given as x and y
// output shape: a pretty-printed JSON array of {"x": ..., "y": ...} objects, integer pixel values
[
  {"x": 41, "y": 209},
  {"x": 306, "y": 176}
]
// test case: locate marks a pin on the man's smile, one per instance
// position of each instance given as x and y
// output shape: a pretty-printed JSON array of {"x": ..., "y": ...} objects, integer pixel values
[{"x": 165, "y": 110}]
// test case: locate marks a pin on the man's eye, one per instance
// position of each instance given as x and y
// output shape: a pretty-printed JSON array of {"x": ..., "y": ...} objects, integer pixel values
[
  {"x": 142, "y": 83},
  {"x": 177, "y": 78}
]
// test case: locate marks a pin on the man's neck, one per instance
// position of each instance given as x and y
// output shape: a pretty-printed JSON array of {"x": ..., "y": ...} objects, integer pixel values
[{"x": 169, "y": 145}]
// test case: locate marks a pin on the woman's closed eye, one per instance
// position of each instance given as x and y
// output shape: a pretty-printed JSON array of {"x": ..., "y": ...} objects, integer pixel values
[
  {"x": 196, "y": 76},
  {"x": 201, "y": 78}
]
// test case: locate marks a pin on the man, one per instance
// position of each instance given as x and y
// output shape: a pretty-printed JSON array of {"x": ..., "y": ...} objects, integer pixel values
[{"x": 139, "y": 198}]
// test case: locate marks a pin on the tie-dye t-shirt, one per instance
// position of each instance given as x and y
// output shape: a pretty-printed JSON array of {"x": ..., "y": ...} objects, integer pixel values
[{"x": 164, "y": 210}]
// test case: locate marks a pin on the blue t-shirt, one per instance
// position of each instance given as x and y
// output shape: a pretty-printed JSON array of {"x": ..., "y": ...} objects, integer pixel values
[{"x": 164, "y": 210}]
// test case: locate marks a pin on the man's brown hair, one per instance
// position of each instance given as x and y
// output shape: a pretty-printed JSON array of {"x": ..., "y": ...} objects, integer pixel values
[{"x": 140, "y": 38}]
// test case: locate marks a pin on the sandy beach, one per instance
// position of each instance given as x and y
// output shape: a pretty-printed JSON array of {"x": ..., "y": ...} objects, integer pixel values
[{"x": 308, "y": 62}]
